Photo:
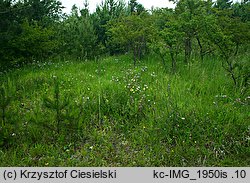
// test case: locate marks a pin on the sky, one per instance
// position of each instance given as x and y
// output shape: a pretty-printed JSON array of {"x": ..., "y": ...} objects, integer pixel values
[{"x": 92, "y": 4}]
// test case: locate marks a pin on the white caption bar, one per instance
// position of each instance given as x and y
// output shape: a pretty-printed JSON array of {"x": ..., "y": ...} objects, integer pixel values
[{"x": 125, "y": 175}]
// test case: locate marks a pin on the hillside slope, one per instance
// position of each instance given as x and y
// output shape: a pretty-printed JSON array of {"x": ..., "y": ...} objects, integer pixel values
[{"x": 108, "y": 113}]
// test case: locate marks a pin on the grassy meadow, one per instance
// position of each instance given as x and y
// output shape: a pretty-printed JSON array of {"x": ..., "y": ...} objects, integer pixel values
[{"x": 109, "y": 113}]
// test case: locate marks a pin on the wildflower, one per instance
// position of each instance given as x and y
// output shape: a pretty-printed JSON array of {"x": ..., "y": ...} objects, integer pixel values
[
  {"x": 124, "y": 142},
  {"x": 143, "y": 69},
  {"x": 145, "y": 87},
  {"x": 153, "y": 74}
]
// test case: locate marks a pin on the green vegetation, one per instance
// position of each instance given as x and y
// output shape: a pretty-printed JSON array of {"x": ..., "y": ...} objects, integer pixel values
[
  {"x": 124, "y": 86},
  {"x": 117, "y": 115}
]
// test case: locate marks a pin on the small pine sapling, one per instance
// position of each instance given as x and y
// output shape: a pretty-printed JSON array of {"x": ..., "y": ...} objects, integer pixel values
[
  {"x": 7, "y": 92},
  {"x": 57, "y": 104}
]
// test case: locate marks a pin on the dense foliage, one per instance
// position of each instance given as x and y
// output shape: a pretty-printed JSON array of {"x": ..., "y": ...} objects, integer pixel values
[
  {"x": 124, "y": 86},
  {"x": 194, "y": 27}
]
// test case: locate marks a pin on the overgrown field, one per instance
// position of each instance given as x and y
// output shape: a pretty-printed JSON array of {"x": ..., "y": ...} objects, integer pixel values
[{"x": 109, "y": 113}]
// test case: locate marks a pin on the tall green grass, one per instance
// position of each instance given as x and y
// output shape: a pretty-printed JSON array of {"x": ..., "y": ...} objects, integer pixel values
[{"x": 109, "y": 113}]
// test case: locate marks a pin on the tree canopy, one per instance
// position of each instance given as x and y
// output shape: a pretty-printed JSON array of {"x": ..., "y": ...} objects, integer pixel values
[{"x": 37, "y": 29}]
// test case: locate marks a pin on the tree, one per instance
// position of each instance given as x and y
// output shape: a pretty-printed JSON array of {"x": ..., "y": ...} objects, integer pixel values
[
  {"x": 16, "y": 21},
  {"x": 43, "y": 11},
  {"x": 77, "y": 35},
  {"x": 34, "y": 42},
  {"x": 8, "y": 29},
  {"x": 242, "y": 10},
  {"x": 184, "y": 13},
  {"x": 167, "y": 37},
  {"x": 223, "y": 4},
  {"x": 135, "y": 7},
  {"x": 133, "y": 32},
  {"x": 228, "y": 34},
  {"x": 107, "y": 11}
]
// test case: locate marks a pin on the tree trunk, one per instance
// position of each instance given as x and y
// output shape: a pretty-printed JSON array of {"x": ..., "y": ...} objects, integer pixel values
[
  {"x": 231, "y": 70},
  {"x": 163, "y": 60},
  {"x": 188, "y": 49},
  {"x": 173, "y": 60},
  {"x": 139, "y": 51},
  {"x": 135, "y": 55},
  {"x": 236, "y": 49},
  {"x": 201, "y": 48}
]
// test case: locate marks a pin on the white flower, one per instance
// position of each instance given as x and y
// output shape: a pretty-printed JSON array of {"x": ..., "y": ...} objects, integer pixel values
[{"x": 153, "y": 74}]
